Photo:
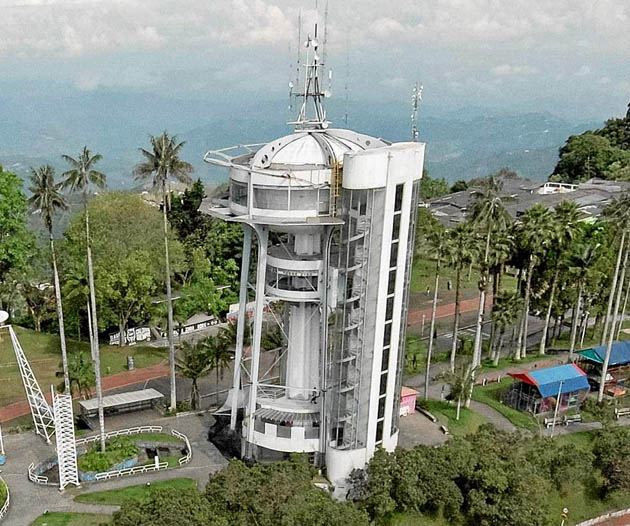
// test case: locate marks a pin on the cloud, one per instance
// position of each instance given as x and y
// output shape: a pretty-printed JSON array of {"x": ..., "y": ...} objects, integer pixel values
[
  {"x": 508, "y": 70},
  {"x": 583, "y": 71}
]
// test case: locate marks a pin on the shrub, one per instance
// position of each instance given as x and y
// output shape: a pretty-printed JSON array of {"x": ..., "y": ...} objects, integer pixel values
[{"x": 117, "y": 450}]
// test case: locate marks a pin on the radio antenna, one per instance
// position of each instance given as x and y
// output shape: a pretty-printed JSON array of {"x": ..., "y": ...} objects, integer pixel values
[{"x": 416, "y": 98}]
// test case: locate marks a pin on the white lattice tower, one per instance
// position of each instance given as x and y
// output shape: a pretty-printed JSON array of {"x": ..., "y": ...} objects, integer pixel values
[
  {"x": 66, "y": 448},
  {"x": 42, "y": 413}
]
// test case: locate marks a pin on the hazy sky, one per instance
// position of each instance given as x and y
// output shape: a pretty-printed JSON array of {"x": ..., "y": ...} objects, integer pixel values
[{"x": 567, "y": 56}]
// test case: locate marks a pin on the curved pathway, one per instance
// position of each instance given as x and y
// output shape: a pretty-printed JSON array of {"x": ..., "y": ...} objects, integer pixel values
[{"x": 29, "y": 501}]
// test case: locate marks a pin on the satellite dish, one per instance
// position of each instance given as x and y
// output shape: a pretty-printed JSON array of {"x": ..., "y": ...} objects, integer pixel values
[
  {"x": 290, "y": 85},
  {"x": 315, "y": 43},
  {"x": 4, "y": 316},
  {"x": 327, "y": 94}
]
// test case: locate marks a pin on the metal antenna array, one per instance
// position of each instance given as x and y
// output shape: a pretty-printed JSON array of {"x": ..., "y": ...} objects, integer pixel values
[
  {"x": 43, "y": 416},
  {"x": 66, "y": 447},
  {"x": 312, "y": 92},
  {"x": 416, "y": 98}
]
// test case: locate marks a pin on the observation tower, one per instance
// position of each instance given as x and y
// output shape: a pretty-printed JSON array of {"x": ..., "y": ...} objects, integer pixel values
[{"x": 333, "y": 213}]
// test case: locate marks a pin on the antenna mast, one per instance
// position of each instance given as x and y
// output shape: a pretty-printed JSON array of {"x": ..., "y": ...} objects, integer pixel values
[
  {"x": 416, "y": 98},
  {"x": 313, "y": 92}
]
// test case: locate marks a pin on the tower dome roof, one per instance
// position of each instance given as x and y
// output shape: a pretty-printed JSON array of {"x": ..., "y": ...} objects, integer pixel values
[{"x": 312, "y": 148}]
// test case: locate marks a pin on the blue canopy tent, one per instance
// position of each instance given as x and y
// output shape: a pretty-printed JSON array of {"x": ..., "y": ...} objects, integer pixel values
[
  {"x": 618, "y": 376},
  {"x": 537, "y": 391}
]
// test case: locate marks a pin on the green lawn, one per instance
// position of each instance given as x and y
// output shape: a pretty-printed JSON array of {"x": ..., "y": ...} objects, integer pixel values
[
  {"x": 42, "y": 351},
  {"x": 115, "y": 497},
  {"x": 423, "y": 276},
  {"x": 491, "y": 395},
  {"x": 55, "y": 518},
  {"x": 468, "y": 422}
]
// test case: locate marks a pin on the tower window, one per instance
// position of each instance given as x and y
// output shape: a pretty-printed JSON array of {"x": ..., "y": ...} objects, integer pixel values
[{"x": 399, "y": 197}]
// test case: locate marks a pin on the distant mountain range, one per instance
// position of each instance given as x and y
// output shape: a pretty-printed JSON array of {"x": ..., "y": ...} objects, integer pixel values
[{"x": 38, "y": 127}]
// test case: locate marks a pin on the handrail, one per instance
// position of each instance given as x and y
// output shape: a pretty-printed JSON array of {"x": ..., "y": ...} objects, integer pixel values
[
  {"x": 121, "y": 432},
  {"x": 106, "y": 475},
  {"x": 186, "y": 458},
  {"x": 34, "y": 477},
  {"x": 5, "y": 506}
]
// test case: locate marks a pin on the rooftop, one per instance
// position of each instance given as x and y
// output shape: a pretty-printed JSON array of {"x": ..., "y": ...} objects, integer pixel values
[
  {"x": 564, "y": 378},
  {"x": 591, "y": 197}
]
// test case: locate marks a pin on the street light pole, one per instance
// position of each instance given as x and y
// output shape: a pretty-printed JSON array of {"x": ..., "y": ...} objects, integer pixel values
[{"x": 555, "y": 413}]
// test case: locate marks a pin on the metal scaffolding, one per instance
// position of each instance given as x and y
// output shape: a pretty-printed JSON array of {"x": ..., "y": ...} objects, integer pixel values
[
  {"x": 66, "y": 447},
  {"x": 42, "y": 413}
]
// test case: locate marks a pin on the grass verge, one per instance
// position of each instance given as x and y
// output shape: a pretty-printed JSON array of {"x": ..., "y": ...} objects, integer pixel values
[
  {"x": 56, "y": 518},
  {"x": 44, "y": 355},
  {"x": 446, "y": 413},
  {"x": 491, "y": 396},
  {"x": 139, "y": 492}
]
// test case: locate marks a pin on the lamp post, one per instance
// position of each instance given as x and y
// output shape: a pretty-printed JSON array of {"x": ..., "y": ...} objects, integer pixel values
[
  {"x": 565, "y": 515},
  {"x": 555, "y": 413}
]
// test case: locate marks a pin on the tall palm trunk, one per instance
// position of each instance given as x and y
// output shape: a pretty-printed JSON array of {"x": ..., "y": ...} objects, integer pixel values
[
  {"x": 574, "y": 320},
  {"x": 169, "y": 301},
  {"x": 458, "y": 279},
  {"x": 482, "y": 304},
  {"x": 62, "y": 328},
  {"x": 431, "y": 333},
  {"x": 622, "y": 279},
  {"x": 612, "y": 288},
  {"x": 552, "y": 294},
  {"x": 194, "y": 394},
  {"x": 602, "y": 382},
  {"x": 497, "y": 355},
  {"x": 96, "y": 357},
  {"x": 623, "y": 311},
  {"x": 528, "y": 293}
]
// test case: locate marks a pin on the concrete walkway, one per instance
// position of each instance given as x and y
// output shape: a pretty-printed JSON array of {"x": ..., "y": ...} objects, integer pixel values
[{"x": 29, "y": 501}]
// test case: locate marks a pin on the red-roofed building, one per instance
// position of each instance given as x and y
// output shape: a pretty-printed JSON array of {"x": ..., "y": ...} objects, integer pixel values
[
  {"x": 407, "y": 400},
  {"x": 538, "y": 391}
]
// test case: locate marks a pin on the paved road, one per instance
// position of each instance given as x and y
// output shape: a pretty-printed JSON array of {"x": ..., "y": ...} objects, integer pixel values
[{"x": 29, "y": 500}]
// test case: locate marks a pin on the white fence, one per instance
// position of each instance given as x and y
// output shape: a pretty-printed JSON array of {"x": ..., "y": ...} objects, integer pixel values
[
  {"x": 34, "y": 477},
  {"x": 106, "y": 475},
  {"x": 119, "y": 433},
  {"x": 186, "y": 458},
  {"x": 5, "y": 506}
]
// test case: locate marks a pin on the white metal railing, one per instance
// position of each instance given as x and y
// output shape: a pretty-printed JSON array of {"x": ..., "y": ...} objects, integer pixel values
[
  {"x": 34, "y": 477},
  {"x": 106, "y": 475},
  {"x": 120, "y": 432},
  {"x": 186, "y": 458},
  {"x": 5, "y": 506}
]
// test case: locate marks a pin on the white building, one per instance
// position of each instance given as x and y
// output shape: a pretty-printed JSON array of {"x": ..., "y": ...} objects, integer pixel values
[{"x": 333, "y": 212}]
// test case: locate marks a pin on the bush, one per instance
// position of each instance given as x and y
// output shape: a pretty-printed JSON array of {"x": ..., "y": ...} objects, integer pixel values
[{"x": 117, "y": 450}]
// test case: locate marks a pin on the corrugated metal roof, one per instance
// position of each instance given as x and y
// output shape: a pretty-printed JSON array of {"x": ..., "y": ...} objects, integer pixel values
[
  {"x": 619, "y": 353},
  {"x": 144, "y": 395},
  {"x": 548, "y": 380},
  {"x": 284, "y": 417}
]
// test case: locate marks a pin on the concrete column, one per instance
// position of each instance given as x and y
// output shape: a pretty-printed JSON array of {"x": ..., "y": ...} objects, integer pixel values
[
  {"x": 242, "y": 320},
  {"x": 263, "y": 237}
]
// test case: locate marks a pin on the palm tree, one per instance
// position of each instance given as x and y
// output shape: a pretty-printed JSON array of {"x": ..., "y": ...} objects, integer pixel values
[
  {"x": 162, "y": 162},
  {"x": 505, "y": 312},
  {"x": 581, "y": 262},
  {"x": 535, "y": 235},
  {"x": 619, "y": 213},
  {"x": 81, "y": 372},
  {"x": 438, "y": 246},
  {"x": 462, "y": 251},
  {"x": 193, "y": 363},
  {"x": 566, "y": 223},
  {"x": 500, "y": 253},
  {"x": 219, "y": 353},
  {"x": 79, "y": 178},
  {"x": 460, "y": 383},
  {"x": 488, "y": 215},
  {"x": 47, "y": 200}
]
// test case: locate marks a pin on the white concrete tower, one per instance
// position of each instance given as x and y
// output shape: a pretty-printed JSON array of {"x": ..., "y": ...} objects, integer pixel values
[{"x": 333, "y": 212}]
